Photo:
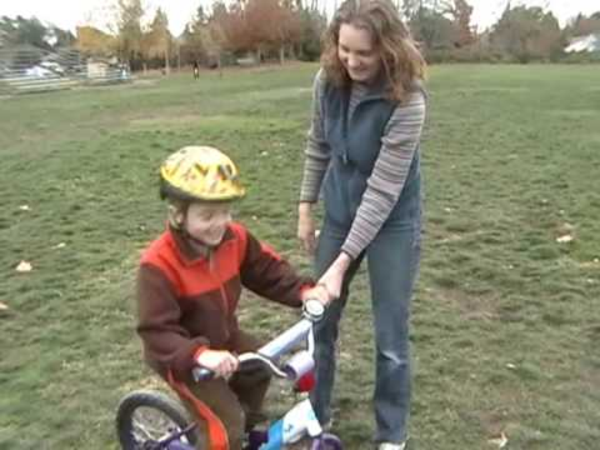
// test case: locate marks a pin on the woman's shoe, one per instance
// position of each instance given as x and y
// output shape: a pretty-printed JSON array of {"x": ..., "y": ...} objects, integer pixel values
[{"x": 391, "y": 446}]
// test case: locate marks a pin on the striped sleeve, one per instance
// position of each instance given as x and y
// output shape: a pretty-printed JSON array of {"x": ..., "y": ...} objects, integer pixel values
[
  {"x": 317, "y": 152},
  {"x": 400, "y": 139}
]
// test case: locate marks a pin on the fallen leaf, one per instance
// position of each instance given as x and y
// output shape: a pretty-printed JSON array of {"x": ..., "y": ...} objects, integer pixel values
[
  {"x": 3, "y": 306},
  {"x": 564, "y": 239},
  {"x": 565, "y": 228},
  {"x": 499, "y": 441},
  {"x": 24, "y": 266}
]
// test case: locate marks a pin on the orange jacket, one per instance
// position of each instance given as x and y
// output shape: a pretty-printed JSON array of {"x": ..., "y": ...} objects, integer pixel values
[{"x": 187, "y": 302}]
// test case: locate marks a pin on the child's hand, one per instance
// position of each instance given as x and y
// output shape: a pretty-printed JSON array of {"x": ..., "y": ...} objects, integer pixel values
[
  {"x": 221, "y": 362},
  {"x": 318, "y": 292}
]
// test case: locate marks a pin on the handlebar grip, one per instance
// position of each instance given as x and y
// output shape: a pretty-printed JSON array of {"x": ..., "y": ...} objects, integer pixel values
[
  {"x": 202, "y": 374},
  {"x": 313, "y": 310}
]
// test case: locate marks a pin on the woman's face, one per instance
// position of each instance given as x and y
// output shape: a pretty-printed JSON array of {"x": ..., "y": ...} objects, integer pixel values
[{"x": 358, "y": 54}]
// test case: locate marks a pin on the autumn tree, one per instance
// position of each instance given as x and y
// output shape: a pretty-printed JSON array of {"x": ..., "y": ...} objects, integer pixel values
[
  {"x": 229, "y": 27},
  {"x": 271, "y": 24},
  {"x": 92, "y": 41},
  {"x": 461, "y": 12}
]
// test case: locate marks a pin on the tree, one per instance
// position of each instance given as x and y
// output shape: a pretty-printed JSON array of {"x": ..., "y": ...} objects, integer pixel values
[
  {"x": 527, "y": 33},
  {"x": 196, "y": 40},
  {"x": 60, "y": 38},
  {"x": 433, "y": 29},
  {"x": 191, "y": 45},
  {"x": 409, "y": 8},
  {"x": 461, "y": 12},
  {"x": 582, "y": 25},
  {"x": 22, "y": 31},
  {"x": 92, "y": 41},
  {"x": 129, "y": 14},
  {"x": 228, "y": 27},
  {"x": 312, "y": 26},
  {"x": 157, "y": 41},
  {"x": 283, "y": 29}
]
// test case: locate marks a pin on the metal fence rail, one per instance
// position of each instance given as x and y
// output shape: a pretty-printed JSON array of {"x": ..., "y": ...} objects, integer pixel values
[{"x": 28, "y": 69}]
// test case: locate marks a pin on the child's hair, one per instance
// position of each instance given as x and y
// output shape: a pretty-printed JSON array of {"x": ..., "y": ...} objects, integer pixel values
[{"x": 402, "y": 62}]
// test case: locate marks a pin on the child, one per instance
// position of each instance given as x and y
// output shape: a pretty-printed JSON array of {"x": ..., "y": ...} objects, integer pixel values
[{"x": 189, "y": 284}]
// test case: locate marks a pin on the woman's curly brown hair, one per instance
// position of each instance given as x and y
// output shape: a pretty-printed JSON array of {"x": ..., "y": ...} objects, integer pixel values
[{"x": 402, "y": 62}]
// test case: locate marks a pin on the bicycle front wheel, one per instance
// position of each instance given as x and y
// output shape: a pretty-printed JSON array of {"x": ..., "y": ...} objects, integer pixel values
[
  {"x": 327, "y": 442},
  {"x": 145, "y": 418}
]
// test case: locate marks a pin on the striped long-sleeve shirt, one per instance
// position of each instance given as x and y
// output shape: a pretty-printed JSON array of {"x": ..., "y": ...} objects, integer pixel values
[{"x": 398, "y": 144}]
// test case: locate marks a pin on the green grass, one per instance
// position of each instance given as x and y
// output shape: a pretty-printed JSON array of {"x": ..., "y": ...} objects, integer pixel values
[{"x": 505, "y": 320}]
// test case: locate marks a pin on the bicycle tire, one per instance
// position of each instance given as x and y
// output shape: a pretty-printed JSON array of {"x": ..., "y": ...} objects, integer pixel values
[
  {"x": 327, "y": 442},
  {"x": 151, "y": 400}
]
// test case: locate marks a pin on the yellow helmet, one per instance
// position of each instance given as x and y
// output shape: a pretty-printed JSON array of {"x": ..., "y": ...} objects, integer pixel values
[{"x": 197, "y": 173}]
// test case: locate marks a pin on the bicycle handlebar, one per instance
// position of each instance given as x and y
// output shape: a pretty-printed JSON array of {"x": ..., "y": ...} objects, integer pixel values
[{"x": 282, "y": 344}]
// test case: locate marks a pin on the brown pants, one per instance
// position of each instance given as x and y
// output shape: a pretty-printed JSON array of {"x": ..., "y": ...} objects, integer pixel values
[{"x": 237, "y": 402}]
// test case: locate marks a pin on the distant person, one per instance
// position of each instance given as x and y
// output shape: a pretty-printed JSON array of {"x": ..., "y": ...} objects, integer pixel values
[
  {"x": 196, "y": 70},
  {"x": 363, "y": 155},
  {"x": 189, "y": 284}
]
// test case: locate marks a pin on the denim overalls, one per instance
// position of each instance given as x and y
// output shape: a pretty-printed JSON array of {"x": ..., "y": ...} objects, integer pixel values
[{"x": 392, "y": 257}]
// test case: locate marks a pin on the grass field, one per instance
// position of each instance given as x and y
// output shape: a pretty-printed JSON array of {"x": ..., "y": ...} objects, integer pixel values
[{"x": 506, "y": 321}]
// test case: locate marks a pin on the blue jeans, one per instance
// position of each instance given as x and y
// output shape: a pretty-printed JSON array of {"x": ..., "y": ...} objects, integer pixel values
[{"x": 393, "y": 263}]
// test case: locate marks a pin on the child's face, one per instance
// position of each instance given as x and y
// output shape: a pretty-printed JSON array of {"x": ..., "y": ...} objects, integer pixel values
[{"x": 207, "y": 222}]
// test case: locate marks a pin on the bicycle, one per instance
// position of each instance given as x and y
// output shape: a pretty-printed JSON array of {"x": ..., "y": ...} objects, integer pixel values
[{"x": 150, "y": 420}]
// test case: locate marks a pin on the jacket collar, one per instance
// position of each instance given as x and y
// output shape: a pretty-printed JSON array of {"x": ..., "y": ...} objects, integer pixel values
[{"x": 191, "y": 253}]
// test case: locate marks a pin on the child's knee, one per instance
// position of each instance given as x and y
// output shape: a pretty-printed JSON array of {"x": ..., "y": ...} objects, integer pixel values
[{"x": 234, "y": 423}]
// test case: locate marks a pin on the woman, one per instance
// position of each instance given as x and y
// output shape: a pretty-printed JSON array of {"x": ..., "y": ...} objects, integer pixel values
[{"x": 363, "y": 156}]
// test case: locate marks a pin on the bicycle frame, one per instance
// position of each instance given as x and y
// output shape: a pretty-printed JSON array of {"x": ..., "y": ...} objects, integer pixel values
[{"x": 300, "y": 420}]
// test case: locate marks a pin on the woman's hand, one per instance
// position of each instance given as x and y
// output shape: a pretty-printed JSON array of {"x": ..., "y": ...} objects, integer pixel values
[
  {"x": 333, "y": 277},
  {"x": 306, "y": 227},
  {"x": 221, "y": 362}
]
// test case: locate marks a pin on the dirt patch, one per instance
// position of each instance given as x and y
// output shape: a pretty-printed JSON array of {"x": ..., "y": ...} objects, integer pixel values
[
  {"x": 471, "y": 306},
  {"x": 150, "y": 383}
]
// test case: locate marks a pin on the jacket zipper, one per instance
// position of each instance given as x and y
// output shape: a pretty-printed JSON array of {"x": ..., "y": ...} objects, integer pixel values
[{"x": 218, "y": 278}]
